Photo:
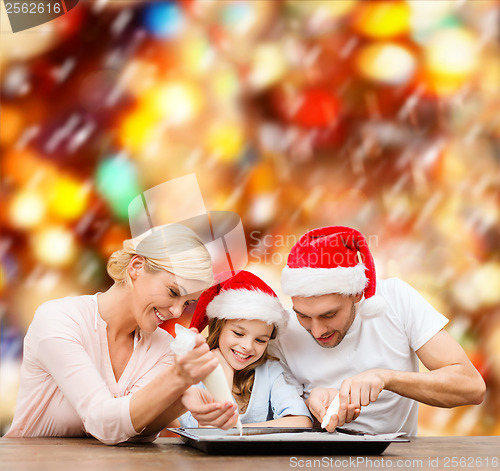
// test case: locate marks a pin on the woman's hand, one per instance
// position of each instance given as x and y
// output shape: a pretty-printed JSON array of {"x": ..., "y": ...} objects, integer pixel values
[
  {"x": 197, "y": 364},
  {"x": 228, "y": 369},
  {"x": 208, "y": 412}
]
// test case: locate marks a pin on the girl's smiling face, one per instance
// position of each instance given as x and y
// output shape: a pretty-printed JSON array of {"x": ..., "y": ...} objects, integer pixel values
[{"x": 242, "y": 341}]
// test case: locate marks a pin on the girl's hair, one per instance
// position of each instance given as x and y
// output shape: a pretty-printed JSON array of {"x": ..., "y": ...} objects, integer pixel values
[
  {"x": 173, "y": 247},
  {"x": 243, "y": 379}
]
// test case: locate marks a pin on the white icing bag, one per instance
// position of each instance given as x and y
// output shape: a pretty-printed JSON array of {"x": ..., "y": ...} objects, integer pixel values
[
  {"x": 184, "y": 342},
  {"x": 333, "y": 408},
  {"x": 215, "y": 382}
]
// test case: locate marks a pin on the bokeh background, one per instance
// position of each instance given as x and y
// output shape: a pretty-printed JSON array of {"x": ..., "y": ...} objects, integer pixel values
[{"x": 381, "y": 115}]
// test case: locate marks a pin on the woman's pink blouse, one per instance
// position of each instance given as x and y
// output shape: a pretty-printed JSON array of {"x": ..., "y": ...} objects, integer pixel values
[{"x": 68, "y": 388}]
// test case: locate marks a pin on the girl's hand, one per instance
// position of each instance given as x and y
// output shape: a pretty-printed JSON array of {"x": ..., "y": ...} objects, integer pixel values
[
  {"x": 208, "y": 412},
  {"x": 197, "y": 364},
  {"x": 228, "y": 369}
]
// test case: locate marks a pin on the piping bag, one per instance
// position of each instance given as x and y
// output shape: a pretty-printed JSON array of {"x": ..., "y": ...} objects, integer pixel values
[
  {"x": 215, "y": 382},
  {"x": 333, "y": 408}
]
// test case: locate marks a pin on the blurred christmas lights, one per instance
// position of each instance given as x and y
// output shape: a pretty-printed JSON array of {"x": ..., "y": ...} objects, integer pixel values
[
  {"x": 225, "y": 142},
  {"x": 55, "y": 246},
  {"x": 383, "y": 19},
  {"x": 450, "y": 59},
  {"x": 175, "y": 102},
  {"x": 295, "y": 114},
  {"x": 164, "y": 19},
  {"x": 117, "y": 182},
  {"x": 27, "y": 209},
  {"x": 386, "y": 63},
  {"x": 68, "y": 198}
]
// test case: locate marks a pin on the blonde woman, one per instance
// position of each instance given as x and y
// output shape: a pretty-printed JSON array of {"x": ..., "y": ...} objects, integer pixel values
[{"x": 98, "y": 365}]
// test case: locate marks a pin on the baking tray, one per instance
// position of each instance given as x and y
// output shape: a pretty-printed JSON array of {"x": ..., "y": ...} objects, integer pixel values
[{"x": 286, "y": 441}]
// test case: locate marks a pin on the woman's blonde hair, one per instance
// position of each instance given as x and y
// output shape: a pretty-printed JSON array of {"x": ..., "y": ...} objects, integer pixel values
[
  {"x": 243, "y": 379},
  {"x": 173, "y": 247}
]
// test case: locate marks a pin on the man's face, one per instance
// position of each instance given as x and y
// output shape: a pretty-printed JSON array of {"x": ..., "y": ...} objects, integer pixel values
[{"x": 327, "y": 318}]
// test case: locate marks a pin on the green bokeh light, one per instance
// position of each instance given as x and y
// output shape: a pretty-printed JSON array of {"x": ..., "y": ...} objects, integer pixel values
[{"x": 117, "y": 183}]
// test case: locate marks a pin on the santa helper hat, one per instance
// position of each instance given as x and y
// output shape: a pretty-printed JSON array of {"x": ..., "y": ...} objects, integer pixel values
[
  {"x": 241, "y": 296},
  {"x": 333, "y": 259}
]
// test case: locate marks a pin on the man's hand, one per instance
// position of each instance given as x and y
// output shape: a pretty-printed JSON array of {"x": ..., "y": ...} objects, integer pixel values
[
  {"x": 356, "y": 392},
  {"x": 197, "y": 364},
  {"x": 320, "y": 399},
  {"x": 208, "y": 412},
  {"x": 362, "y": 389}
]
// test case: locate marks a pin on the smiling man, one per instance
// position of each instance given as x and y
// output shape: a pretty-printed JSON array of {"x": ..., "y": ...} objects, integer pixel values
[{"x": 351, "y": 335}]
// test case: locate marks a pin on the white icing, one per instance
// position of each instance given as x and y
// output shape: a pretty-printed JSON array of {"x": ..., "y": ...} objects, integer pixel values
[{"x": 185, "y": 340}]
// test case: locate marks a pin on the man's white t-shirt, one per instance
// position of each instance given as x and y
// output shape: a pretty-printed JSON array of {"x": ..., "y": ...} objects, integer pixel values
[{"x": 388, "y": 340}]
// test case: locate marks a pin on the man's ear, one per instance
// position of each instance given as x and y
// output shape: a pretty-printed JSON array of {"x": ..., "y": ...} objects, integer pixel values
[
  {"x": 358, "y": 297},
  {"x": 135, "y": 266}
]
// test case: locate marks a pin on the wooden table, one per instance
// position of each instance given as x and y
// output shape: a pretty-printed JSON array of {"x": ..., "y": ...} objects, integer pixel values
[{"x": 169, "y": 454}]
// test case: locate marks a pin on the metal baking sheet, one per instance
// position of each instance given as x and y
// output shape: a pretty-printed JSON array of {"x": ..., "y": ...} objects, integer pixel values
[{"x": 286, "y": 441}]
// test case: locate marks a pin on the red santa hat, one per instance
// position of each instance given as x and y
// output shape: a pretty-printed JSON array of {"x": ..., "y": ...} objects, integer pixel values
[
  {"x": 333, "y": 259},
  {"x": 241, "y": 296}
]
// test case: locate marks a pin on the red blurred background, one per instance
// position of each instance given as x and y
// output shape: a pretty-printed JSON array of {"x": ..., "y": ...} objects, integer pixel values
[{"x": 381, "y": 115}]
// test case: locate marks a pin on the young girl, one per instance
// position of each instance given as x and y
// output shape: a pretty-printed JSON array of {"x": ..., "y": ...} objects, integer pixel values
[{"x": 243, "y": 313}]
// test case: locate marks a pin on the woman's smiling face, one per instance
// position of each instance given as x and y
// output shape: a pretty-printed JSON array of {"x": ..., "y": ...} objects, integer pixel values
[
  {"x": 242, "y": 341},
  {"x": 158, "y": 297}
]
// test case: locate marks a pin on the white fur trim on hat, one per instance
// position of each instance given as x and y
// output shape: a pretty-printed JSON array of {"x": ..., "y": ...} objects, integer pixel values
[
  {"x": 247, "y": 304},
  {"x": 309, "y": 281}
]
